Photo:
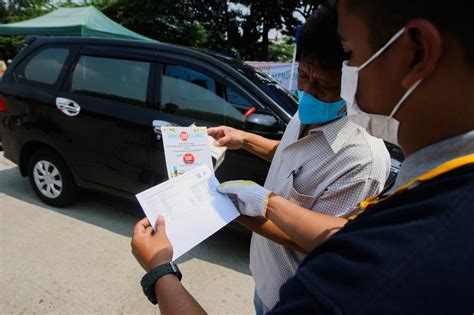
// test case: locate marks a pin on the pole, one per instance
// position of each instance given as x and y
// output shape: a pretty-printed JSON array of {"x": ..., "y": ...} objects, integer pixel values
[
  {"x": 297, "y": 35},
  {"x": 292, "y": 73}
]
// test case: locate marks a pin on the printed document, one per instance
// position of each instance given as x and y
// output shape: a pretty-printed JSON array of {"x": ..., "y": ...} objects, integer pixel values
[
  {"x": 192, "y": 207},
  {"x": 185, "y": 149}
]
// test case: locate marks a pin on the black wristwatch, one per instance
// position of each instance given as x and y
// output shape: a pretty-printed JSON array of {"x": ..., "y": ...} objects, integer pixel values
[{"x": 148, "y": 280}]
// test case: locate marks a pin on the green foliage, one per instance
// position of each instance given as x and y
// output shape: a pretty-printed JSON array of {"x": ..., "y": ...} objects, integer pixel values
[
  {"x": 282, "y": 52},
  {"x": 3, "y": 12},
  {"x": 195, "y": 23},
  {"x": 266, "y": 15},
  {"x": 219, "y": 25},
  {"x": 18, "y": 10},
  {"x": 12, "y": 43},
  {"x": 212, "y": 24}
]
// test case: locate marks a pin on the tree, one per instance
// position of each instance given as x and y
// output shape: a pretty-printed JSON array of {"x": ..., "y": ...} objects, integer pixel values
[
  {"x": 18, "y": 10},
  {"x": 263, "y": 16},
  {"x": 3, "y": 12},
  {"x": 209, "y": 24},
  {"x": 307, "y": 7},
  {"x": 281, "y": 52},
  {"x": 266, "y": 15},
  {"x": 197, "y": 23}
]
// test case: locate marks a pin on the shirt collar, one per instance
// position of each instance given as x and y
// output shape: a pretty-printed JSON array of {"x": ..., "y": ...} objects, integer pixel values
[
  {"x": 336, "y": 133},
  {"x": 434, "y": 155}
]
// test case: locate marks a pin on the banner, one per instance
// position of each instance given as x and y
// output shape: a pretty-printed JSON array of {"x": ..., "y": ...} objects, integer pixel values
[{"x": 279, "y": 71}]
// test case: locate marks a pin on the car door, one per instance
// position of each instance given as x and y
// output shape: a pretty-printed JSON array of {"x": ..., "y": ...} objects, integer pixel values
[
  {"x": 191, "y": 93},
  {"x": 103, "y": 117},
  {"x": 29, "y": 91}
]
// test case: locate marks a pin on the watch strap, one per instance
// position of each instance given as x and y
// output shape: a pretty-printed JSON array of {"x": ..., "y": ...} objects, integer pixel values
[{"x": 149, "y": 279}]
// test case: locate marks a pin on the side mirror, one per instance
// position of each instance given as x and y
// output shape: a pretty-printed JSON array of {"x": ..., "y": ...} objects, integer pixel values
[{"x": 261, "y": 122}]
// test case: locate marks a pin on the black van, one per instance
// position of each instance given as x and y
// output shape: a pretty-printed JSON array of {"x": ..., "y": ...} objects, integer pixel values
[{"x": 85, "y": 112}]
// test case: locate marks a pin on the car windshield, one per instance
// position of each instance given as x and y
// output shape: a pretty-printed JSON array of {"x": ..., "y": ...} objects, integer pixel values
[{"x": 266, "y": 83}]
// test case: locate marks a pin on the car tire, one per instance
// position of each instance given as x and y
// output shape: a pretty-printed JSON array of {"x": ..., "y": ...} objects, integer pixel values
[{"x": 51, "y": 178}]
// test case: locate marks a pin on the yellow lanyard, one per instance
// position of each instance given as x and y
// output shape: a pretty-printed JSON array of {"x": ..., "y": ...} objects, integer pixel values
[{"x": 442, "y": 169}]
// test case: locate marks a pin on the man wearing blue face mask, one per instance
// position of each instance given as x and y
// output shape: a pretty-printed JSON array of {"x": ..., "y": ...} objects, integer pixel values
[
  {"x": 324, "y": 166},
  {"x": 324, "y": 162}
]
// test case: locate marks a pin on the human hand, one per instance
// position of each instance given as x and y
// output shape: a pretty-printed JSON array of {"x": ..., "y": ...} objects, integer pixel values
[
  {"x": 151, "y": 249},
  {"x": 250, "y": 198},
  {"x": 231, "y": 138}
]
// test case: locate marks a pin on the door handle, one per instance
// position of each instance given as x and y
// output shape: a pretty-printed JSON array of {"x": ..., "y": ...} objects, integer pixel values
[
  {"x": 157, "y": 124},
  {"x": 68, "y": 107}
]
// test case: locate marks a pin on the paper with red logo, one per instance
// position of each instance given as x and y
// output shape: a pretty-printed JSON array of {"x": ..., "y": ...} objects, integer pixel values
[{"x": 185, "y": 149}]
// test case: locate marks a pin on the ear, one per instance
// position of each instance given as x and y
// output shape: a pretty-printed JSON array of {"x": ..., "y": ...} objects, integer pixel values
[{"x": 427, "y": 42}]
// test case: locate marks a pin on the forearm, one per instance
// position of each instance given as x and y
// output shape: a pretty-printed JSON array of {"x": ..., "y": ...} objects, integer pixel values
[
  {"x": 173, "y": 298},
  {"x": 260, "y": 146},
  {"x": 268, "y": 229},
  {"x": 306, "y": 228}
]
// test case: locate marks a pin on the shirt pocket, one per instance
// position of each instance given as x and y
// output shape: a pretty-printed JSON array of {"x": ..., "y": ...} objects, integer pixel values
[{"x": 303, "y": 200}]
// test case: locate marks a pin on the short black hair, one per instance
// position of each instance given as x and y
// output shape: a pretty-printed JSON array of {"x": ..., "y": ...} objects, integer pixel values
[
  {"x": 385, "y": 17},
  {"x": 318, "y": 40}
]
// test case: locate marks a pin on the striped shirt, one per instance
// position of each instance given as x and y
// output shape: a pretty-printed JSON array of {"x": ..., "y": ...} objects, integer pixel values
[{"x": 331, "y": 170}]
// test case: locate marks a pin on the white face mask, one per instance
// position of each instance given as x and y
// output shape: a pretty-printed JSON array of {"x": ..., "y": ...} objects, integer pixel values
[{"x": 381, "y": 126}]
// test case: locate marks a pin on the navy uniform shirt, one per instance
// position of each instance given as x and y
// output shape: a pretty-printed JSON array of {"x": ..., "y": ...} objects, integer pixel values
[{"x": 411, "y": 254}]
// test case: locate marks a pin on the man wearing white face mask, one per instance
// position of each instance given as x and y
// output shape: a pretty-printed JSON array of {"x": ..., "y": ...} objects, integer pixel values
[
  {"x": 410, "y": 251},
  {"x": 385, "y": 127}
]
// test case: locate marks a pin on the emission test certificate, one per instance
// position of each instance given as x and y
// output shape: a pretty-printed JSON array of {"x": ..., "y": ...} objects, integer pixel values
[
  {"x": 185, "y": 149},
  {"x": 192, "y": 208}
]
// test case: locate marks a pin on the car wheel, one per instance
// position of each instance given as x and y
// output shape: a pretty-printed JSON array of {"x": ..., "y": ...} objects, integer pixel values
[{"x": 51, "y": 178}]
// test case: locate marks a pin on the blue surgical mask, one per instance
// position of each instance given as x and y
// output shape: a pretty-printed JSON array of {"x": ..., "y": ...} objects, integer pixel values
[{"x": 313, "y": 111}]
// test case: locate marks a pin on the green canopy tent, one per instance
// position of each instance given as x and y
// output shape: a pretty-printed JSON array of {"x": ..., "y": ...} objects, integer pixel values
[{"x": 83, "y": 21}]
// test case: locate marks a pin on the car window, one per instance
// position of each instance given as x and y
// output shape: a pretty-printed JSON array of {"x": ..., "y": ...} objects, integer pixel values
[
  {"x": 44, "y": 67},
  {"x": 115, "y": 79},
  {"x": 191, "y": 93},
  {"x": 271, "y": 87},
  {"x": 236, "y": 100}
]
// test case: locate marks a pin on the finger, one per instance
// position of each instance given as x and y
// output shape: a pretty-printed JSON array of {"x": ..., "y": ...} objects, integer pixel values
[
  {"x": 148, "y": 231},
  {"x": 226, "y": 188},
  {"x": 216, "y": 132},
  {"x": 212, "y": 131},
  {"x": 233, "y": 186},
  {"x": 141, "y": 226},
  {"x": 223, "y": 141},
  {"x": 160, "y": 227}
]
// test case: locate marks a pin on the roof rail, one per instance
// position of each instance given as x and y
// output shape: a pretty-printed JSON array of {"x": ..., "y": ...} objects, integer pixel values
[{"x": 30, "y": 39}]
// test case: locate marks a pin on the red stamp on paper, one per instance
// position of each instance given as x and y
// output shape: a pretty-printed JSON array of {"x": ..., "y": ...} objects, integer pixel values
[
  {"x": 188, "y": 158},
  {"x": 184, "y": 136}
]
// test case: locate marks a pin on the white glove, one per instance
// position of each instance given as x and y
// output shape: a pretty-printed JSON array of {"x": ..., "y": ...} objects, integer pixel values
[{"x": 250, "y": 198}]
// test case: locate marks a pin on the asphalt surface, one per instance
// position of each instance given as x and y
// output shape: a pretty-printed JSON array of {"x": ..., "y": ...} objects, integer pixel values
[{"x": 77, "y": 260}]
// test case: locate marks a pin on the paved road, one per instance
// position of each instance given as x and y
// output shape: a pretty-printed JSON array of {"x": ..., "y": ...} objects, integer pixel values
[{"x": 77, "y": 260}]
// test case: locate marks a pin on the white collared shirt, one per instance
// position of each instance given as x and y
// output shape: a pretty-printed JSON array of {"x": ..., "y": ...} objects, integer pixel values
[{"x": 331, "y": 170}]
